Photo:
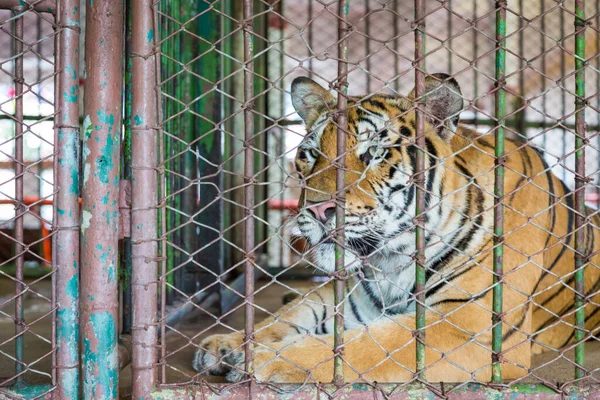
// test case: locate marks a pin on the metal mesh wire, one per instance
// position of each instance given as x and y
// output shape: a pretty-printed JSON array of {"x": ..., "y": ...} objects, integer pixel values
[
  {"x": 408, "y": 254},
  {"x": 206, "y": 216},
  {"x": 26, "y": 195}
]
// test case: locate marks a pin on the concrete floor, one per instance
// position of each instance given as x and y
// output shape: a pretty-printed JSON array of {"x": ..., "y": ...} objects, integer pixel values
[{"x": 179, "y": 356}]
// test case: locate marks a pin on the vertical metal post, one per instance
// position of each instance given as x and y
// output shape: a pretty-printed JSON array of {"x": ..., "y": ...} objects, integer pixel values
[
  {"x": 580, "y": 184},
  {"x": 100, "y": 208},
  {"x": 449, "y": 29},
  {"x": 340, "y": 188},
  {"x": 500, "y": 112},
  {"x": 66, "y": 204},
  {"x": 144, "y": 186},
  {"x": 543, "y": 48},
  {"x": 396, "y": 42},
  {"x": 310, "y": 40},
  {"x": 19, "y": 205},
  {"x": 563, "y": 102},
  {"x": 475, "y": 56},
  {"x": 125, "y": 270},
  {"x": 420, "y": 186},
  {"x": 249, "y": 187},
  {"x": 521, "y": 114},
  {"x": 368, "y": 43}
]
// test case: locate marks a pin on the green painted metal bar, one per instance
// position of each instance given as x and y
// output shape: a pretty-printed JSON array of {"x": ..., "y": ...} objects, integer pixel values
[
  {"x": 340, "y": 189},
  {"x": 66, "y": 206},
  {"x": 499, "y": 112},
  {"x": 125, "y": 257},
  {"x": 580, "y": 186},
  {"x": 419, "y": 182},
  {"x": 187, "y": 90},
  {"x": 100, "y": 210}
]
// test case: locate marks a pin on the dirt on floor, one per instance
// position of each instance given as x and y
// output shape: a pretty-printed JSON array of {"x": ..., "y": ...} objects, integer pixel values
[{"x": 550, "y": 366}]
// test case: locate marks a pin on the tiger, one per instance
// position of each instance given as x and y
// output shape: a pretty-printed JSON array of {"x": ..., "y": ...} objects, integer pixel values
[{"x": 297, "y": 343}]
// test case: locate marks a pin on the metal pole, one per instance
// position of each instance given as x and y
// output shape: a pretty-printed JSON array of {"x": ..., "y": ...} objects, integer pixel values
[
  {"x": 500, "y": 112},
  {"x": 580, "y": 183},
  {"x": 125, "y": 270},
  {"x": 249, "y": 255},
  {"x": 420, "y": 186},
  {"x": 144, "y": 189},
  {"x": 100, "y": 208},
  {"x": 19, "y": 206},
  {"x": 66, "y": 204},
  {"x": 340, "y": 189}
]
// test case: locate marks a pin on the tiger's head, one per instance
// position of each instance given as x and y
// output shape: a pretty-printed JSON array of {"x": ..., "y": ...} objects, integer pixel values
[{"x": 380, "y": 165}]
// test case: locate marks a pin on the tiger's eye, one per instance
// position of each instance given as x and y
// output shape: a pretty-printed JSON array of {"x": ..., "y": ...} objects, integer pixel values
[
  {"x": 314, "y": 153},
  {"x": 376, "y": 152}
]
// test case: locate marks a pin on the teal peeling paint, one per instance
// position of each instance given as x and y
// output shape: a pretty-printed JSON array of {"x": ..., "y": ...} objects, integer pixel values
[
  {"x": 72, "y": 289},
  {"x": 105, "y": 163},
  {"x": 70, "y": 158},
  {"x": 138, "y": 120},
  {"x": 104, "y": 198},
  {"x": 67, "y": 335},
  {"x": 105, "y": 118},
  {"x": 150, "y": 35},
  {"x": 100, "y": 364},
  {"x": 99, "y": 247},
  {"x": 71, "y": 98},
  {"x": 61, "y": 211},
  {"x": 71, "y": 70}
]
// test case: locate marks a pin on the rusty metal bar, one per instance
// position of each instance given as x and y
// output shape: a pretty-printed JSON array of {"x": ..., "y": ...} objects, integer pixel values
[
  {"x": 66, "y": 204},
  {"x": 48, "y": 6},
  {"x": 396, "y": 42},
  {"x": 19, "y": 206},
  {"x": 310, "y": 40},
  {"x": 368, "y": 43},
  {"x": 419, "y": 182},
  {"x": 100, "y": 208},
  {"x": 249, "y": 255},
  {"x": 543, "y": 62},
  {"x": 449, "y": 29},
  {"x": 469, "y": 391},
  {"x": 144, "y": 214},
  {"x": 475, "y": 56},
  {"x": 499, "y": 112},
  {"x": 580, "y": 185},
  {"x": 521, "y": 114},
  {"x": 340, "y": 189},
  {"x": 563, "y": 103}
]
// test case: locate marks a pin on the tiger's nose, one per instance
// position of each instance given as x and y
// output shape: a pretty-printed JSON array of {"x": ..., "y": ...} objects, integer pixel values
[{"x": 322, "y": 211}]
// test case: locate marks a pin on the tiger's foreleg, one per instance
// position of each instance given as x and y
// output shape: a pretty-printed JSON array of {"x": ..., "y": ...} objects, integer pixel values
[
  {"x": 385, "y": 351},
  {"x": 218, "y": 354}
]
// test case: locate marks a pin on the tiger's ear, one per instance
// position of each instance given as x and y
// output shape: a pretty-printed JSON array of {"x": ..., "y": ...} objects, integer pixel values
[
  {"x": 443, "y": 101},
  {"x": 310, "y": 99}
]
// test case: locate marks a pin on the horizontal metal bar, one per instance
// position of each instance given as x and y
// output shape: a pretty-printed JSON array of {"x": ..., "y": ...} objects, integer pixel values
[{"x": 388, "y": 391}]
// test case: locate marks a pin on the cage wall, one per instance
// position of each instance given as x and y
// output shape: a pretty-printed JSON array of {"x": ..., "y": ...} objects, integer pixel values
[{"x": 150, "y": 225}]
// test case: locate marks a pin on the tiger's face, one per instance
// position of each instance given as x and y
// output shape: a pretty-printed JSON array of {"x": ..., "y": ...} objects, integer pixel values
[{"x": 380, "y": 166}]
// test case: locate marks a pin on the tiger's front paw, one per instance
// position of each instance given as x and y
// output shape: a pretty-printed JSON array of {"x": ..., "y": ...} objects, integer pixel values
[
  {"x": 218, "y": 354},
  {"x": 270, "y": 367}
]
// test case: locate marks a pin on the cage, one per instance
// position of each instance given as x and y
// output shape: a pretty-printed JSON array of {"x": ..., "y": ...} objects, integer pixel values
[{"x": 301, "y": 198}]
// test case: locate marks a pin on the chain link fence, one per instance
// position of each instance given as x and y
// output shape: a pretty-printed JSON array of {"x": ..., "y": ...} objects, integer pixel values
[{"x": 299, "y": 198}]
